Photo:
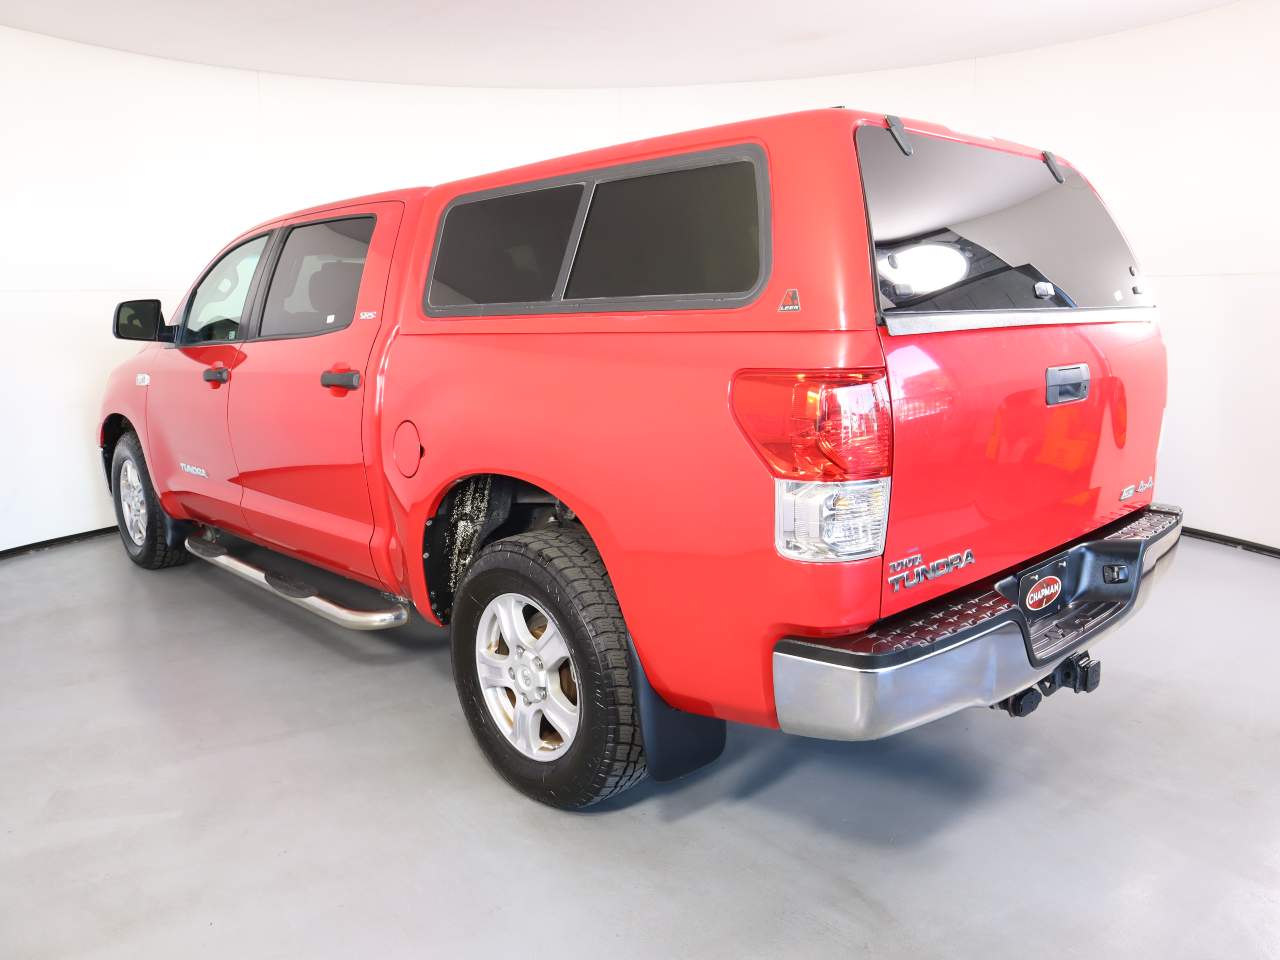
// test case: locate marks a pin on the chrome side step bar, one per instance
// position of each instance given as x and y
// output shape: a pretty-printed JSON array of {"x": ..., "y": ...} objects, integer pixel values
[{"x": 302, "y": 594}]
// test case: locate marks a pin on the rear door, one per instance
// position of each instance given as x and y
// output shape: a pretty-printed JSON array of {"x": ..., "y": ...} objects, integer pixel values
[
  {"x": 1027, "y": 373},
  {"x": 303, "y": 388}
]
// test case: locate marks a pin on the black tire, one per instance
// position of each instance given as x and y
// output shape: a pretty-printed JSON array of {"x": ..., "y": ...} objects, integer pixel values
[
  {"x": 153, "y": 552},
  {"x": 560, "y": 570}
]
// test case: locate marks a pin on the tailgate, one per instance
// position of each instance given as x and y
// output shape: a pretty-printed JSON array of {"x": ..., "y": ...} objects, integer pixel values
[
  {"x": 986, "y": 471},
  {"x": 1026, "y": 370}
]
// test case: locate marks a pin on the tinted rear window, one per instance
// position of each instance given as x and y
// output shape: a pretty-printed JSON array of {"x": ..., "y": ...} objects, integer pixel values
[
  {"x": 671, "y": 234},
  {"x": 317, "y": 278},
  {"x": 961, "y": 227},
  {"x": 505, "y": 249}
]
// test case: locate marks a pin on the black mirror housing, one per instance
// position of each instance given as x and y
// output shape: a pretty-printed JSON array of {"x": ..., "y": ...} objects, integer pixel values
[{"x": 138, "y": 320}]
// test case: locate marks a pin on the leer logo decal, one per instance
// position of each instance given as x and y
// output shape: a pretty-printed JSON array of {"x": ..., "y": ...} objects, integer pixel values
[
  {"x": 790, "y": 302},
  {"x": 1043, "y": 593}
]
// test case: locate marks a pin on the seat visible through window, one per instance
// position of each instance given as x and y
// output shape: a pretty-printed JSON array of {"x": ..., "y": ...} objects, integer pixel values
[{"x": 317, "y": 279}]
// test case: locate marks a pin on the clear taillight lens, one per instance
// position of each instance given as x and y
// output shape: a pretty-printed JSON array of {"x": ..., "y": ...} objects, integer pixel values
[
  {"x": 830, "y": 521},
  {"x": 828, "y": 438}
]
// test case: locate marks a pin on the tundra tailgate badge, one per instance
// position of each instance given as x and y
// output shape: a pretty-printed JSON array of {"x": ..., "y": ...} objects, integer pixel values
[{"x": 915, "y": 571}]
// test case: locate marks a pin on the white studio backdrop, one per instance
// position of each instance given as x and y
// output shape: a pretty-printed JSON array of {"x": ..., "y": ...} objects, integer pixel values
[{"x": 121, "y": 175}]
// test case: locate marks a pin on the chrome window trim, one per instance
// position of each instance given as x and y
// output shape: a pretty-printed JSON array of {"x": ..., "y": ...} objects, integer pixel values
[{"x": 909, "y": 324}]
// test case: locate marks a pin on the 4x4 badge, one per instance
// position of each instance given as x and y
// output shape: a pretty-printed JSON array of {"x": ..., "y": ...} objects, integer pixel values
[
  {"x": 1133, "y": 488},
  {"x": 791, "y": 302}
]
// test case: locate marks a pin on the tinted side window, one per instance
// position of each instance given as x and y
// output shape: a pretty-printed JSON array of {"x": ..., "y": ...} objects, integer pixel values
[
  {"x": 217, "y": 305},
  {"x": 684, "y": 232},
  {"x": 504, "y": 249},
  {"x": 317, "y": 278}
]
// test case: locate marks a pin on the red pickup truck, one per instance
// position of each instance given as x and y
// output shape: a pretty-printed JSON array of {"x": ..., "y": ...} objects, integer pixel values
[{"x": 830, "y": 422}]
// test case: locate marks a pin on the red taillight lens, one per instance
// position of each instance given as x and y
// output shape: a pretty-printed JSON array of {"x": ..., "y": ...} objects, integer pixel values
[{"x": 818, "y": 425}]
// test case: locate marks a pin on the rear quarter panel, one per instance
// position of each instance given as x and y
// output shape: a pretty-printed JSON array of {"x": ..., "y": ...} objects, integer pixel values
[
  {"x": 626, "y": 418},
  {"x": 634, "y": 432}
]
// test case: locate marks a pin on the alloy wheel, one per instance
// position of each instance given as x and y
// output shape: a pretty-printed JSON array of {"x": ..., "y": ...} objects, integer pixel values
[{"x": 527, "y": 676}]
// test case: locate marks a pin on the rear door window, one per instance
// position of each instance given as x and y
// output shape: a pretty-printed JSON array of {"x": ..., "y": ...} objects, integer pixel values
[
  {"x": 506, "y": 249},
  {"x": 962, "y": 227},
  {"x": 317, "y": 278},
  {"x": 680, "y": 233}
]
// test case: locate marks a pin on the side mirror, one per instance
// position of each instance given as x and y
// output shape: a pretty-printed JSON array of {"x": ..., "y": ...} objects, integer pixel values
[{"x": 138, "y": 320}]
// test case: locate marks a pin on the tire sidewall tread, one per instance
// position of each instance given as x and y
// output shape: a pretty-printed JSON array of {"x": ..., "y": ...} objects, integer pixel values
[
  {"x": 561, "y": 569},
  {"x": 154, "y": 553}
]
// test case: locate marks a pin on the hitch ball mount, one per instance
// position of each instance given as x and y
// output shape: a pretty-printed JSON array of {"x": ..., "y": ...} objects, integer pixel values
[{"x": 1078, "y": 672}]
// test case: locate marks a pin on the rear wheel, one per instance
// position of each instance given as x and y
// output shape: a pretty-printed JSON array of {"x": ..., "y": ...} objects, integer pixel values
[
  {"x": 138, "y": 513},
  {"x": 540, "y": 661}
]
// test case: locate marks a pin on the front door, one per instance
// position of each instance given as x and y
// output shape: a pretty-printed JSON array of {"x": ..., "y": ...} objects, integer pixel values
[
  {"x": 303, "y": 389},
  {"x": 188, "y": 447}
]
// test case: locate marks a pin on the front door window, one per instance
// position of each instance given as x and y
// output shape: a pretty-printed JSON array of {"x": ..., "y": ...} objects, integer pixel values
[{"x": 218, "y": 303}]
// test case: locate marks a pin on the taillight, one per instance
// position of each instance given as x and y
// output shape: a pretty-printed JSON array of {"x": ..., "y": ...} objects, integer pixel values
[
  {"x": 820, "y": 425},
  {"x": 827, "y": 436}
]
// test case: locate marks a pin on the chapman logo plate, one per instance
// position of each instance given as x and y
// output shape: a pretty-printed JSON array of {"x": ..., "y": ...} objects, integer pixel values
[{"x": 1044, "y": 593}]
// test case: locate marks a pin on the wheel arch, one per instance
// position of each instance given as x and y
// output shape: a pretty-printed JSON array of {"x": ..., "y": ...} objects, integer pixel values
[
  {"x": 476, "y": 509},
  {"x": 113, "y": 427}
]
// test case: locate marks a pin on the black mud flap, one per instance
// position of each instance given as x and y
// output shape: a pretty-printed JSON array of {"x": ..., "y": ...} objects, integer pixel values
[
  {"x": 176, "y": 531},
  {"x": 675, "y": 743}
]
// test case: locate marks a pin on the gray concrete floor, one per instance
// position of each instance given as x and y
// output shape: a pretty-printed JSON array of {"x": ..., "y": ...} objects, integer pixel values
[{"x": 189, "y": 768}]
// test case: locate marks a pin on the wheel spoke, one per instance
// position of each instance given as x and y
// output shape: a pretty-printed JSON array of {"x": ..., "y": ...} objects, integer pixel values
[
  {"x": 524, "y": 732},
  {"x": 551, "y": 646},
  {"x": 511, "y": 621},
  {"x": 133, "y": 503},
  {"x": 492, "y": 670},
  {"x": 561, "y": 714}
]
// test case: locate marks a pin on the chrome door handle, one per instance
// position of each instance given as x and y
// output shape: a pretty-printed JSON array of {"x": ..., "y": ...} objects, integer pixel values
[{"x": 1065, "y": 384}]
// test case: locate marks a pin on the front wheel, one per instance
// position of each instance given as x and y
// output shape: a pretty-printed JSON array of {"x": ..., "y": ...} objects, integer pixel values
[
  {"x": 540, "y": 661},
  {"x": 138, "y": 512}
]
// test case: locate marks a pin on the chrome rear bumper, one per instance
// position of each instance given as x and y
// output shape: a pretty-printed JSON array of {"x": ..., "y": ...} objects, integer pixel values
[{"x": 969, "y": 650}]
